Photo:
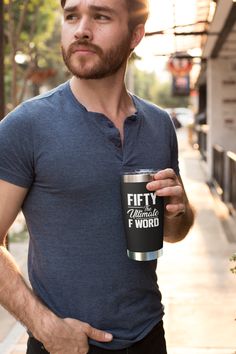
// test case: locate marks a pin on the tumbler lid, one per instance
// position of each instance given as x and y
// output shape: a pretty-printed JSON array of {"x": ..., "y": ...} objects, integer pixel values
[{"x": 142, "y": 175}]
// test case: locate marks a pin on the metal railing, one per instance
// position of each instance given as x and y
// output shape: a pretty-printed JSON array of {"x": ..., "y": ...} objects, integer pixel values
[
  {"x": 231, "y": 179},
  {"x": 219, "y": 169},
  {"x": 201, "y": 131}
]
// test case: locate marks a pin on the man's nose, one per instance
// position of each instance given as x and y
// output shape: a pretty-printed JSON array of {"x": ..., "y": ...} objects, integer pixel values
[{"x": 84, "y": 29}]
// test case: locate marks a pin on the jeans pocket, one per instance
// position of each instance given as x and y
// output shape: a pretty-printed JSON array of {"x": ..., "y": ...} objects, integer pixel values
[{"x": 35, "y": 347}]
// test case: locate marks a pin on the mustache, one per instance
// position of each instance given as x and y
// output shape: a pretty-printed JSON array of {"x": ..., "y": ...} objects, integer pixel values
[{"x": 86, "y": 44}]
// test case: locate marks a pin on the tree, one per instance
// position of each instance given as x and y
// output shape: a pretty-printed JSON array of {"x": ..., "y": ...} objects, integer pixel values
[
  {"x": 167, "y": 100},
  {"x": 29, "y": 25},
  {"x": 148, "y": 86}
]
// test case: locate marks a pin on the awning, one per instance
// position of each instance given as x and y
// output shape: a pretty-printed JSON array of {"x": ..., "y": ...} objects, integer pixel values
[
  {"x": 178, "y": 26},
  {"x": 221, "y": 41}
]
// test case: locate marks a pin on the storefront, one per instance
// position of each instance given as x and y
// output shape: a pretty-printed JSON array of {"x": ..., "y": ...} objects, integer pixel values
[{"x": 217, "y": 102}]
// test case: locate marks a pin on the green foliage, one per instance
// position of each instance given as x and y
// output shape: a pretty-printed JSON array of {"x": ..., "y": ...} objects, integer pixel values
[
  {"x": 147, "y": 86},
  {"x": 166, "y": 99},
  {"x": 233, "y": 259},
  {"x": 18, "y": 236},
  {"x": 38, "y": 24},
  {"x": 29, "y": 28}
]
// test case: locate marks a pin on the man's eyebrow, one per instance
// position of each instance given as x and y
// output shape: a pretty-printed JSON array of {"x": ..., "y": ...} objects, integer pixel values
[
  {"x": 70, "y": 9},
  {"x": 102, "y": 9},
  {"x": 92, "y": 7}
]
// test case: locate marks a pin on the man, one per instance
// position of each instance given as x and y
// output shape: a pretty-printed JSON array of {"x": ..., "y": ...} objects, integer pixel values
[{"x": 61, "y": 159}]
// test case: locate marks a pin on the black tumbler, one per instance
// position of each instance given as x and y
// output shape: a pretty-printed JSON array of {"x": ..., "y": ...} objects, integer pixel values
[{"x": 143, "y": 213}]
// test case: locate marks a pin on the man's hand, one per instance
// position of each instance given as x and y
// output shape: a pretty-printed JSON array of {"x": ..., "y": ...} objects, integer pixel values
[
  {"x": 70, "y": 336},
  {"x": 178, "y": 212},
  {"x": 167, "y": 184}
]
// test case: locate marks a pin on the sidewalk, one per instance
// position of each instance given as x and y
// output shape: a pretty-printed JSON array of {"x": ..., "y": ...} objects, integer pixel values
[{"x": 194, "y": 276}]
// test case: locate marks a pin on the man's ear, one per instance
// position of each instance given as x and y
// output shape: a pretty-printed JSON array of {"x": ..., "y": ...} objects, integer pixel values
[{"x": 137, "y": 35}]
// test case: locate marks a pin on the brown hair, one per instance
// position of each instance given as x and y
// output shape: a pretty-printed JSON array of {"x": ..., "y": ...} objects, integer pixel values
[{"x": 138, "y": 10}]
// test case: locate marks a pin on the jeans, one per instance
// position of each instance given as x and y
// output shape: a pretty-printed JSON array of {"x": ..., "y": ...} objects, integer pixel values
[{"x": 153, "y": 343}]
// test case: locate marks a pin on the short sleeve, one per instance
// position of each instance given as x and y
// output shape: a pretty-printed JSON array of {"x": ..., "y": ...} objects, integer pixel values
[{"x": 16, "y": 149}]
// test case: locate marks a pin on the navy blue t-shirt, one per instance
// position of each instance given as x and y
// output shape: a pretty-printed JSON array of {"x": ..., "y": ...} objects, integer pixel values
[{"x": 72, "y": 160}]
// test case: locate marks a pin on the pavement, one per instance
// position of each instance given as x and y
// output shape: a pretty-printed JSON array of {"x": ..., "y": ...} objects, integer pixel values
[{"x": 194, "y": 275}]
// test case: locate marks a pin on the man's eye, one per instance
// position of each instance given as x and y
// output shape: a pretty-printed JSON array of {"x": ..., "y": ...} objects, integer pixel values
[
  {"x": 71, "y": 17},
  {"x": 102, "y": 17}
]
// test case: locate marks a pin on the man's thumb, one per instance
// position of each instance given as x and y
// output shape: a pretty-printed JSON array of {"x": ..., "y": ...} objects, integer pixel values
[{"x": 97, "y": 334}]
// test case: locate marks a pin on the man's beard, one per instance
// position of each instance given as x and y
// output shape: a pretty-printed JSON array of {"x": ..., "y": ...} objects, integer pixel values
[{"x": 108, "y": 62}]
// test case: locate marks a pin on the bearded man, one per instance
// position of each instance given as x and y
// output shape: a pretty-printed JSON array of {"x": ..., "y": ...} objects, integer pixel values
[{"x": 61, "y": 159}]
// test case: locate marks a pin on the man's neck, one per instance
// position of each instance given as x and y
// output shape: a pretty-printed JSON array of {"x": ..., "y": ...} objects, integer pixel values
[{"x": 108, "y": 96}]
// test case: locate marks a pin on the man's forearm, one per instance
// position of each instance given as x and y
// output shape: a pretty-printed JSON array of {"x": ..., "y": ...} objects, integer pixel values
[
  {"x": 58, "y": 335},
  {"x": 17, "y": 297},
  {"x": 177, "y": 227}
]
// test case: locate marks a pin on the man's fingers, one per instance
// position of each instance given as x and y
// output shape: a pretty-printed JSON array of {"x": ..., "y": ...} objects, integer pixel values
[
  {"x": 97, "y": 334},
  {"x": 164, "y": 174},
  {"x": 163, "y": 179},
  {"x": 175, "y": 208},
  {"x": 175, "y": 192},
  {"x": 155, "y": 185}
]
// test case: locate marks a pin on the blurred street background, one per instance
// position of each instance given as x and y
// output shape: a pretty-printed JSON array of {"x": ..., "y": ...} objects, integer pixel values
[{"x": 187, "y": 65}]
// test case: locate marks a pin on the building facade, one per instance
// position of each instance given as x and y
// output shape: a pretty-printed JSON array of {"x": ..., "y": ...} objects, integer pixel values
[{"x": 217, "y": 102}]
